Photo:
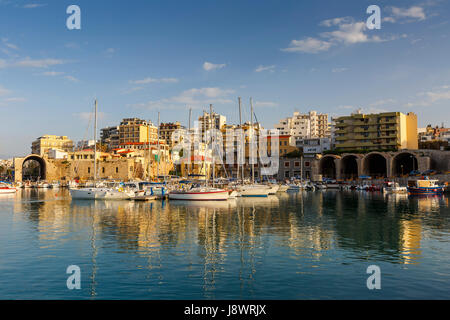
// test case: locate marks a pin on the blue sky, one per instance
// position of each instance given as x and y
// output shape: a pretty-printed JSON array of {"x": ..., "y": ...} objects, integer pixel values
[{"x": 141, "y": 57}]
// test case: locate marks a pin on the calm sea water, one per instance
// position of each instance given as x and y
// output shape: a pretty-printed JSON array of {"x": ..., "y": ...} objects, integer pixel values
[{"x": 311, "y": 245}]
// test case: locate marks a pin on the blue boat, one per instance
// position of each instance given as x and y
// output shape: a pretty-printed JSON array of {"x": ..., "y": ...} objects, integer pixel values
[{"x": 425, "y": 186}]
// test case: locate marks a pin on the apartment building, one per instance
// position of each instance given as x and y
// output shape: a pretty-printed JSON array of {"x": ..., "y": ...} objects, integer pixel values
[
  {"x": 42, "y": 144},
  {"x": 166, "y": 130},
  {"x": 309, "y": 125},
  {"x": 381, "y": 131},
  {"x": 134, "y": 130},
  {"x": 211, "y": 121},
  {"x": 110, "y": 137}
]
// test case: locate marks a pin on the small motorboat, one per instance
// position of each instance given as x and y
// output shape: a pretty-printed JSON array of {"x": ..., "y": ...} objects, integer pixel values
[
  {"x": 5, "y": 188},
  {"x": 393, "y": 187},
  {"x": 199, "y": 194}
]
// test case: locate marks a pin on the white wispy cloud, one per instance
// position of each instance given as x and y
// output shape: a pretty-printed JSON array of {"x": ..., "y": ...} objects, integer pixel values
[
  {"x": 154, "y": 80},
  {"x": 37, "y": 63},
  {"x": 33, "y": 5},
  {"x": 15, "y": 99},
  {"x": 208, "y": 66},
  {"x": 52, "y": 73},
  {"x": 308, "y": 45},
  {"x": 348, "y": 32},
  {"x": 194, "y": 98},
  {"x": 265, "y": 68},
  {"x": 414, "y": 13},
  {"x": 428, "y": 98},
  {"x": 71, "y": 78}
]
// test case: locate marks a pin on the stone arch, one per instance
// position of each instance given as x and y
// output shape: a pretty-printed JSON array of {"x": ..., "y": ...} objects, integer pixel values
[
  {"x": 375, "y": 164},
  {"x": 18, "y": 167},
  {"x": 350, "y": 166},
  {"x": 328, "y": 166},
  {"x": 404, "y": 162}
]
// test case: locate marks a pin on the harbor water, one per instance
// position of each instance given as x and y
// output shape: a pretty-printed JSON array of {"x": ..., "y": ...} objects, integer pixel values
[{"x": 302, "y": 245}]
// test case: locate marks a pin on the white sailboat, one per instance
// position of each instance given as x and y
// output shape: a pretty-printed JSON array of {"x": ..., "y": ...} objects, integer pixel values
[
  {"x": 253, "y": 189},
  {"x": 205, "y": 193},
  {"x": 96, "y": 193}
]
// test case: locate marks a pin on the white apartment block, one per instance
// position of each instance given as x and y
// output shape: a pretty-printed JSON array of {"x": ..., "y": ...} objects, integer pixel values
[
  {"x": 208, "y": 121},
  {"x": 310, "y": 125}
]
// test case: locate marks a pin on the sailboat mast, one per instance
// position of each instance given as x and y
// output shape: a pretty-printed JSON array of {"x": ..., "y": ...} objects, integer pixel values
[
  {"x": 149, "y": 152},
  {"x": 157, "y": 164},
  {"x": 189, "y": 133},
  {"x": 251, "y": 138},
  {"x": 212, "y": 157},
  {"x": 95, "y": 142},
  {"x": 240, "y": 127}
]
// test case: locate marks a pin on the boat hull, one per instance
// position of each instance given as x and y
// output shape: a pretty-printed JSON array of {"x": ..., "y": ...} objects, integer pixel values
[
  {"x": 199, "y": 196},
  {"x": 98, "y": 194},
  {"x": 425, "y": 190}
]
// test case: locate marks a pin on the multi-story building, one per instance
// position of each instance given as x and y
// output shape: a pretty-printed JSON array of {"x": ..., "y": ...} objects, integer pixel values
[
  {"x": 211, "y": 121},
  {"x": 42, "y": 144},
  {"x": 110, "y": 137},
  {"x": 166, "y": 130},
  {"x": 84, "y": 144},
  {"x": 310, "y": 125},
  {"x": 381, "y": 131},
  {"x": 132, "y": 130},
  {"x": 313, "y": 146}
]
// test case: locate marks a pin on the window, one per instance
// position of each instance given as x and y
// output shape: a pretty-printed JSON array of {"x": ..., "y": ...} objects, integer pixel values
[
  {"x": 287, "y": 164},
  {"x": 103, "y": 170},
  {"x": 306, "y": 163},
  {"x": 286, "y": 174},
  {"x": 296, "y": 164},
  {"x": 89, "y": 169},
  {"x": 117, "y": 169}
]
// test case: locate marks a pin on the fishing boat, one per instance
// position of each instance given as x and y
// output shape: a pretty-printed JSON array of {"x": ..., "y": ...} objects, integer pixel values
[
  {"x": 393, "y": 187},
  {"x": 6, "y": 188},
  {"x": 425, "y": 186},
  {"x": 283, "y": 188}
]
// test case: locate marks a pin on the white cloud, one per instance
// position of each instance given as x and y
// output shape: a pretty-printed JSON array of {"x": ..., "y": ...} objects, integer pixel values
[
  {"x": 71, "y": 78},
  {"x": 435, "y": 96},
  {"x": 410, "y": 14},
  {"x": 15, "y": 99},
  {"x": 335, "y": 21},
  {"x": 308, "y": 45},
  {"x": 52, "y": 73},
  {"x": 33, "y": 5},
  {"x": 265, "y": 68},
  {"x": 348, "y": 32},
  {"x": 11, "y": 46},
  {"x": 208, "y": 66},
  {"x": 37, "y": 63},
  {"x": 154, "y": 80},
  {"x": 194, "y": 98}
]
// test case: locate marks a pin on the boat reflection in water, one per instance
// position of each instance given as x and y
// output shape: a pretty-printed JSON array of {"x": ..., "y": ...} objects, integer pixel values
[{"x": 262, "y": 248}]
